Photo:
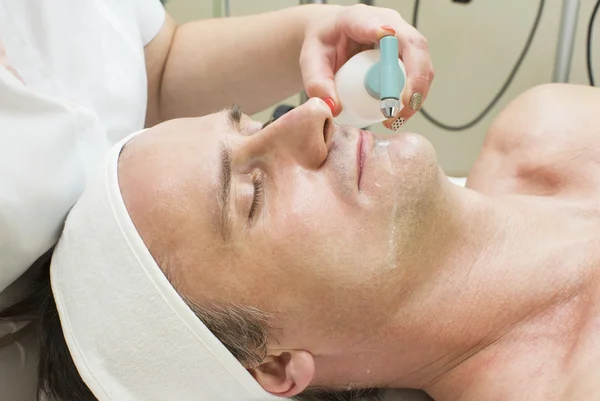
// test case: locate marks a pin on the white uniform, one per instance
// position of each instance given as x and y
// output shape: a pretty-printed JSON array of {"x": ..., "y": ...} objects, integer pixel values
[{"x": 76, "y": 84}]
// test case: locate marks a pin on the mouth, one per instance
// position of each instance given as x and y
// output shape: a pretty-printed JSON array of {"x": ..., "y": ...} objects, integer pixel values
[{"x": 361, "y": 154}]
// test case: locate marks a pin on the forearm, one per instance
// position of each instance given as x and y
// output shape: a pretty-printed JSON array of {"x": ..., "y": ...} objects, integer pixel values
[{"x": 251, "y": 60}]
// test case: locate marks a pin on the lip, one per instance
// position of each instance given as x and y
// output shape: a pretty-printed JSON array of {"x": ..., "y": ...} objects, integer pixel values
[{"x": 361, "y": 154}]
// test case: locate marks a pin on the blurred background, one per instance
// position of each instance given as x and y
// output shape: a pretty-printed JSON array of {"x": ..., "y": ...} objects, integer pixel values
[{"x": 474, "y": 46}]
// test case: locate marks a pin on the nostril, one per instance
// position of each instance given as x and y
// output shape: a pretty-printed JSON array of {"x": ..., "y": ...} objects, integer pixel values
[{"x": 327, "y": 130}]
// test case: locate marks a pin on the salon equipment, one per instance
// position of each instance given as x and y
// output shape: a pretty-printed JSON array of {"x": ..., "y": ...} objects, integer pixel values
[
  {"x": 566, "y": 40},
  {"x": 221, "y": 8},
  {"x": 370, "y": 85},
  {"x": 387, "y": 79},
  {"x": 590, "y": 31}
]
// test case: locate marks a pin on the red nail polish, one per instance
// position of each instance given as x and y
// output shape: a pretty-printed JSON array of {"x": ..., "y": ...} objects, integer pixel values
[
  {"x": 330, "y": 103},
  {"x": 388, "y": 28}
]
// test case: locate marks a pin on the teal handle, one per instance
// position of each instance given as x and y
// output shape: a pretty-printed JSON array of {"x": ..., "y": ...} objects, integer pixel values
[
  {"x": 385, "y": 79},
  {"x": 390, "y": 70}
]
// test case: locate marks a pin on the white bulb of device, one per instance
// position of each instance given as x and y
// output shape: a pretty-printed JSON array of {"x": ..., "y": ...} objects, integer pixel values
[{"x": 359, "y": 108}]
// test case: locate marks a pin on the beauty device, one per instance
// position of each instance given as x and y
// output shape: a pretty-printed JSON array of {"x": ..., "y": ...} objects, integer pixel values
[{"x": 370, "y": 85}]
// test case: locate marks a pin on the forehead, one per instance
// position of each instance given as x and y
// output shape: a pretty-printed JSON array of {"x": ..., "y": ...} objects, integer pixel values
[{"x": 169, "y": 182}]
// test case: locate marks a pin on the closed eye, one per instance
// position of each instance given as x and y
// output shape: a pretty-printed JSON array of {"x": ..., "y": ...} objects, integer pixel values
[{"x": 258, "y": 182}]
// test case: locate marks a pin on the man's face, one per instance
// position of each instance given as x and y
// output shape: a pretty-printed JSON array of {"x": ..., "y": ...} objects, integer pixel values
[{"x": 302, "y": 219}]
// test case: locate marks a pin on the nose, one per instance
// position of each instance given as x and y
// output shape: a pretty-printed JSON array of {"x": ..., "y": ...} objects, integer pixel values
[{"x": 303, "y": 136}]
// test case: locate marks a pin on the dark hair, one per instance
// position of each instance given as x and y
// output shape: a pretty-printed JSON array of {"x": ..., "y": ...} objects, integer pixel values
[{"x": 58, "y": 378}]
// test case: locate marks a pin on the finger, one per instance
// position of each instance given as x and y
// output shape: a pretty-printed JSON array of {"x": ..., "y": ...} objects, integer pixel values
[
  {"x": 419, "y": 74},
  {"x": 317, "y": 62},
  {"x": 413, "y": 98},
  {"x": 369, "y": 32}
]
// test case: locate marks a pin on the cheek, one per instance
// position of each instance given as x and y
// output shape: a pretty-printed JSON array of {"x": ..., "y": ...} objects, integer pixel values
[{"x": 318, "y": 234}]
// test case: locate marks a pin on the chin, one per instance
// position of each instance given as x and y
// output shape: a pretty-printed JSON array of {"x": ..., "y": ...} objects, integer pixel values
[{"x": 399, "y": 163}]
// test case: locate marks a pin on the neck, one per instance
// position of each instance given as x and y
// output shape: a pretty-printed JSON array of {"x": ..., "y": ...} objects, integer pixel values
[{"x": 499, "y": 268}]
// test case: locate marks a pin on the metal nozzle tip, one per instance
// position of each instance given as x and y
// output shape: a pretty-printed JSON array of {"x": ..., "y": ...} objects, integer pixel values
[{"x": 390, "y": 107}]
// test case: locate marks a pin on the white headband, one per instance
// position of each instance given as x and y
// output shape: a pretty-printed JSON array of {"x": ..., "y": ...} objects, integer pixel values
[{"x": 130, "y": 334}]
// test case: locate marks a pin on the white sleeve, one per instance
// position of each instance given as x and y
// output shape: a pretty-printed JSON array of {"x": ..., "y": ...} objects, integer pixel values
[
  {"x": 150, "y": 16},
  {"x": 42, "y": 173}
]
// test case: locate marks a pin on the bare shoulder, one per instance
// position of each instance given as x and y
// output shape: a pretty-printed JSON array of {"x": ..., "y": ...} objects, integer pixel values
[{"x": 545, "y": 142}]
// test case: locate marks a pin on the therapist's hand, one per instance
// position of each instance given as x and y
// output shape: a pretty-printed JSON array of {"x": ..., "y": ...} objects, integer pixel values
[{"x": 341, "y": 32}]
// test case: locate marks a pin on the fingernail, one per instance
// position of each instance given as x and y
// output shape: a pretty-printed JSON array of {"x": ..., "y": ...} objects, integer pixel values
[
  {"x": 330, "y": 103},
  {"x": 388, "y": 28},
  {"x": 415, "y": 101},
  {"x": 399, "y": 122}
]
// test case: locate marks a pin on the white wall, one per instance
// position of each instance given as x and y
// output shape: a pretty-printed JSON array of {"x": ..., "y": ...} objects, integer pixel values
[{"x": 473, "y": 48}]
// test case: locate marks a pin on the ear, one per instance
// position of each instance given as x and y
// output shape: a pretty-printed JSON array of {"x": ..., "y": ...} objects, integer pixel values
[{"x": 286, "y": 374}]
